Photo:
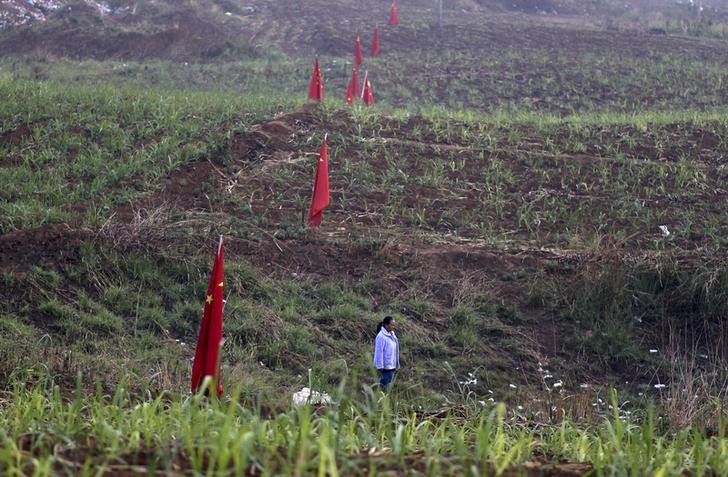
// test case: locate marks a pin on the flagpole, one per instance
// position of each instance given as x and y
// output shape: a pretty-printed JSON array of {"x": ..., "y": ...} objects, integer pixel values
[
  {"x": 218, "y": 376},
  {"x": 366, "y": 78}
]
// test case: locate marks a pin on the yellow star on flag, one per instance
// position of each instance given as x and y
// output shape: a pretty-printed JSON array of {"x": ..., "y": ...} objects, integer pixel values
[
  {"x": 209, "y": 299},
  {"x": 220, "y": 284}
]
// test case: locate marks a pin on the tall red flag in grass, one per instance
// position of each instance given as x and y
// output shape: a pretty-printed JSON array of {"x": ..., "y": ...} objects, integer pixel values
[
  {"x": 394, "y": 14},
  {"x": 357, "y": 51},
  {"x": 316, "y": 89},
  {"x": 207, "y": 353},
  {"x": 353, "y": 90},
  {"x": 367, "y": 94},
  {"x": 375, "y": 43},
  {"x": 321, "y": 198}
]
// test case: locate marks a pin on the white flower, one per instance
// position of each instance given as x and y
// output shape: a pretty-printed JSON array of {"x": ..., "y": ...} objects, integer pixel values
[{"x": 664, "y": 230}]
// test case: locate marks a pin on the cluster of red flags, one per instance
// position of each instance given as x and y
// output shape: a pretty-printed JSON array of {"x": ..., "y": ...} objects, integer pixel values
[
  {"x": 209, "y": 339},
  {"x": 321, "y": 197},
  {"x": 354, "y": 91},
  {"x": 206, "y": 363}
]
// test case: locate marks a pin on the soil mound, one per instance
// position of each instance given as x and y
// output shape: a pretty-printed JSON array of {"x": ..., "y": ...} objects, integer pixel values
[{"x": 47, "y": 246}]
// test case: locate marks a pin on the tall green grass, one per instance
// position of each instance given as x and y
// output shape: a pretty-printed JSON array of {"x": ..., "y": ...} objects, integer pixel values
[{"x": 44, "y": 432}]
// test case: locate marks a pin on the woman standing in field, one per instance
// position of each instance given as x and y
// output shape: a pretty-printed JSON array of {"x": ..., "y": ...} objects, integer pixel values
[{"x": 386, "y": 351}]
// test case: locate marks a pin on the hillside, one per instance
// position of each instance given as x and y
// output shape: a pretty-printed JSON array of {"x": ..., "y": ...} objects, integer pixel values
[
  {"x": 513, "y": 244},
  {"x": 540, "y": 201},
  {"x": 225, "y": 30}
]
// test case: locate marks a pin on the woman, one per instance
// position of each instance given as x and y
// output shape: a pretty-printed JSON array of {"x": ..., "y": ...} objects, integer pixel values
[{"x": 386, "y": 351}]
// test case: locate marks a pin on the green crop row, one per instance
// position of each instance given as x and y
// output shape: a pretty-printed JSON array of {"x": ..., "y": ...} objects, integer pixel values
[{"x": 45, "y": 433}]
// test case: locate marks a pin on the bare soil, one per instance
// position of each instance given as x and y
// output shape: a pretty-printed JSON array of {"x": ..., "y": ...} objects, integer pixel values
[
  {"x": 49, "y": 246},
  {"x": 308, "y": 27}
]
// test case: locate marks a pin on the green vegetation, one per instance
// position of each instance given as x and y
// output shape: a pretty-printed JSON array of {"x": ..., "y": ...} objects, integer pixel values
[
  {"x": 44, "y": 433},
  {"x": 70, "y": 150},
  {"x": 541, "y": 206}
]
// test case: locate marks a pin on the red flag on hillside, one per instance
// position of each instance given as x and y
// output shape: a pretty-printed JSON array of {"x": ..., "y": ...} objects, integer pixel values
[
  {"x": 353, "y": 90},
  {"x": 207, "y": 352},
  {"x": 394, "y": 14},
  {"x": 316, "y": 89},
  {"x": 357, "y": 51},
  {"x": 367, "y": 94},
  {"x": 321, "y": 198},
  {"x": 375, "y": 43},
  {"x": 350, "y": 94}
]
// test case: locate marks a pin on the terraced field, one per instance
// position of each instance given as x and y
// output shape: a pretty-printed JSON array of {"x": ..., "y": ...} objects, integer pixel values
[{"x": 541, "y": 203}]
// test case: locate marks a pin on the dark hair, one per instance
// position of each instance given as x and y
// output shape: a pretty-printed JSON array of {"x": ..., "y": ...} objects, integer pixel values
[{"x": 387, "y": 320}]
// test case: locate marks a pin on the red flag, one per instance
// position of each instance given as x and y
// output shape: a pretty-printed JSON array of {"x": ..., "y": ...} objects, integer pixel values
[
  {"x": 367, "y": 94},
  {"x": 321, "y": 198},
  {"x": 350, "y": 94},
  {"x": 354, "y": 90},
  {"x": 375, "y": 43},
  {"x": 316, "y": 89},
  {"x": 394, "y": 14},
  {"x": 357, "y": 51},
  {"x": 207, "y": 352}
]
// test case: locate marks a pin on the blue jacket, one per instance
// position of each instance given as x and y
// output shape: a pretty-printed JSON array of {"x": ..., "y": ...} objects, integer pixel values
[{"x": 386, "y": 350}]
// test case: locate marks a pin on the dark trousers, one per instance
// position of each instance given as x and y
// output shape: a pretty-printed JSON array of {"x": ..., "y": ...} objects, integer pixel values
[{"x": 386, "y": 376}]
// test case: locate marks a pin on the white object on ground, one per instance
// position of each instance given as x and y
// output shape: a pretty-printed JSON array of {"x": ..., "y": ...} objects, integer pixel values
[{"x": 307, "y": 396}]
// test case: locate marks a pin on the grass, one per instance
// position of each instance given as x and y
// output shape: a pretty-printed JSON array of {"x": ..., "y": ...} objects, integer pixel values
[
  {"x": 562, "y": 186},
  {"x": 81, "y": 151},
  {"x": 587, "y": 183},
  {"x": 540, "y": 79},
  {"x": 108, "y": 147},
  {"x": 45, "y": 433},
  {"x": 74, "y": 319}
]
